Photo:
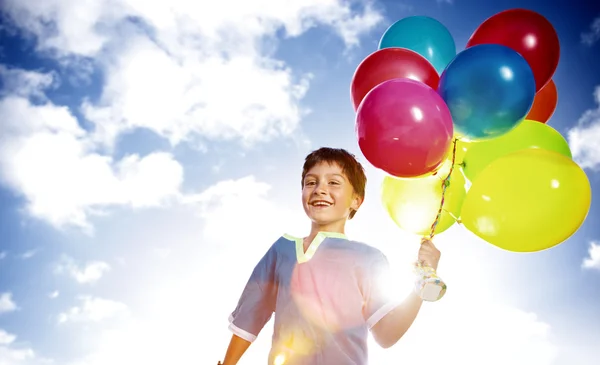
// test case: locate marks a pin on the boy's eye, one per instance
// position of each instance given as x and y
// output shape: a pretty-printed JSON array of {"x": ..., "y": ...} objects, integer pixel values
[
  {"x": 308, "y": 183},
  {"x": 334, "y": 182}
]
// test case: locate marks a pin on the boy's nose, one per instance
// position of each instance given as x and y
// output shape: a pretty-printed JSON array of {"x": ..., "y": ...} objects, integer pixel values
[{"x": 320, "y": 190}]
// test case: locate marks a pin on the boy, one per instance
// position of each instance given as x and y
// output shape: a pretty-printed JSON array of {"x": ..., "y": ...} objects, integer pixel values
[{"x": 327, "y": 291}]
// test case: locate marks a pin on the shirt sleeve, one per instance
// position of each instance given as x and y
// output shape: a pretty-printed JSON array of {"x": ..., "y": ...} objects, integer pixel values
[
  {"x": 378, "y": 300},
  {"x": 257, "y": 302}
]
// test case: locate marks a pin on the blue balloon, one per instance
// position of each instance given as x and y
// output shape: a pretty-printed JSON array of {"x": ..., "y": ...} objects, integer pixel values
[
  {"x": 489, "y": 90},
  {"x": 424, "y": 35}
]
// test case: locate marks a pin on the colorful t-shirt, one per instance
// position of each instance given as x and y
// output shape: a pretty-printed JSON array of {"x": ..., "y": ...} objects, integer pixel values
[{"x": 325, "y": 300}]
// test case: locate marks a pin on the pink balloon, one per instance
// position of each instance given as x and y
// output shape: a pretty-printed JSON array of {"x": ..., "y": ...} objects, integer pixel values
[{"x": 404, "y": 128}]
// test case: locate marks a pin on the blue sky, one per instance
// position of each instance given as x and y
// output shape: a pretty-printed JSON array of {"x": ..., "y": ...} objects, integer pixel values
[{"x": 151, "y": 152}]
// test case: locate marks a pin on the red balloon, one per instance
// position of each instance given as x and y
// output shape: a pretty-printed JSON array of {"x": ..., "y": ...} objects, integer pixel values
[
  {"x": 391, "y": 63},
  {"x": 528, "y": 33},
  {"x": 544, "y": 103},
  {"x": 404, "y": 128}
]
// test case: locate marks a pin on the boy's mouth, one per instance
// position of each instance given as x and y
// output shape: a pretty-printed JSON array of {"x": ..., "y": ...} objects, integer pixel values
[{"x": 320, "y": 203}]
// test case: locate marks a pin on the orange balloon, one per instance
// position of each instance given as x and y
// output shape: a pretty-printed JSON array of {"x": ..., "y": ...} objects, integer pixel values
[{"x": 544, "y": 103}]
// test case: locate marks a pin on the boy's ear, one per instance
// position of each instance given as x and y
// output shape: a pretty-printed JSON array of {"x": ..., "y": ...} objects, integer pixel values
[{"x": 356, "y": 202}]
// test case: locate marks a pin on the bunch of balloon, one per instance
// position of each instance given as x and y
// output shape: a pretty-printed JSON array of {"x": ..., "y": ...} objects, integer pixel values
[
  {"x": 404, "y": 128},
  {"x": 464, "y": 136},
  {"x": 526, "y": 194}
]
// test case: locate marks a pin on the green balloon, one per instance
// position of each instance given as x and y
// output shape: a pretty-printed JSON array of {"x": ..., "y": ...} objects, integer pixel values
[{"x": 528, "y": 134}]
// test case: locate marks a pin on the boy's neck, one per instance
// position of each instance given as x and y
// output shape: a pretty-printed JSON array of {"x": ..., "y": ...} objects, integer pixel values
[{"x": 337, "y": 227}]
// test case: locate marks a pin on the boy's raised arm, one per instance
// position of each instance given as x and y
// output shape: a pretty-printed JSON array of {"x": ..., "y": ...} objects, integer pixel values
[
  {"x": 389, "y": 329},
  {"x": 396, "y": 320},
  {"x": 237, "y": 347}
]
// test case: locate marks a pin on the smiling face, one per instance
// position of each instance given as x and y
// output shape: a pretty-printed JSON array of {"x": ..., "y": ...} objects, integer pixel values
[{"x": 328, "y": 197}]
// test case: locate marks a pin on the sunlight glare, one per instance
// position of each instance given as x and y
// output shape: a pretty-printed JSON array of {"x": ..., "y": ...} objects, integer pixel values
[
  {"x": 506, "y": 73},
  {"x": 413, "y": 77},
  {"x": 279, "y": 360},
  {"x": 530, "y": 41},
  {"x": 417, "y": 113}
]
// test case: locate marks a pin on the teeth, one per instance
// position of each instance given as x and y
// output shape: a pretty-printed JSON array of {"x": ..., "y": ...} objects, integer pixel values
[{"x": 322, "y": 204}]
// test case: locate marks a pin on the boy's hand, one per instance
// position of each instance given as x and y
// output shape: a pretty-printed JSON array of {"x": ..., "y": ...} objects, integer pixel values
[{"x": 429, "y": 255}]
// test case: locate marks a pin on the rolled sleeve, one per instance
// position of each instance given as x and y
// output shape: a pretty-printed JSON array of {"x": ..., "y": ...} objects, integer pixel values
[{"x": 257, "y": 302}]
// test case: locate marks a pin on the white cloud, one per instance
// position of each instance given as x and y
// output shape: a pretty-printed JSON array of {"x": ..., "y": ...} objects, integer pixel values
[
  {"x": 218, "y": 79},
  {"x": 241, "y": 98},
  {"x": 153, "y": 342},
  {"x": 590, "y": 37},
  {"x": 29, "y": 254},
  {"x": 26, "y": 83},
  {"x": 91, "y": 272},
  {"x": 86, "y": 27},
  {"x": 470, "y": 333},
  {"x": 207, "y": 73},
  {"x": 54, "y": 294},
  {"x": 583, "y": 138},
  {"x": 46, "y": 157},
  {"x": 13, "y": 353},
  {"x": 6, "y": 303},
  {"x": 246, "y": 202},
  {"x": 165, "y": 329},
  {"x": 94, "y": 309},
  {"x": 57, "y": 29},
  {"x": 6, "y": 338},
  {"x": 161, "y": 252},
  {"x": 593, "y": 261},
  {"x": 18, "y": 356},
  {"x": 10, "y": 355},
  {"x": 3, "y": 255}
]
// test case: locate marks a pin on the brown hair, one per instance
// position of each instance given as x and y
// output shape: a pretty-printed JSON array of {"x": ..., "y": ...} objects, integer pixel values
[{"x": 353, "y": 170}]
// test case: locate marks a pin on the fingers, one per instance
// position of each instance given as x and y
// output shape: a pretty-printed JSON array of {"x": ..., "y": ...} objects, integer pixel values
[
  {"x": 428, "y": 253},
  {"x": 427, "y": 245},
  {"x": 429, "y": 249}
]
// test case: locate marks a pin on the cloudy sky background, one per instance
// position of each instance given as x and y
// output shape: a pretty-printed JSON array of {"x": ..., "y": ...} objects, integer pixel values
[{"x": 150, "y": 152}]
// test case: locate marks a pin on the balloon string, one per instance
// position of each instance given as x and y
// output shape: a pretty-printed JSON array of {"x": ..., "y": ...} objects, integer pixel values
[
  {"x": 452, "y": 215},
  {"x": 445, "y": 184}
]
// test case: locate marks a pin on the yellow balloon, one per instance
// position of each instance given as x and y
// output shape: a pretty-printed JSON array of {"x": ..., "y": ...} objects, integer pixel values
[
  {"x": 413, "y": 204},
  {"x": 528, "y": 201},
  {"x": 527, "y": 134},
  {"x": 461, "y": 150}
]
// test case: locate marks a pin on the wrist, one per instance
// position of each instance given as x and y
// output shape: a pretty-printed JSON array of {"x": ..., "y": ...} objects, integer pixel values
[{"x": 415, "y": 295}]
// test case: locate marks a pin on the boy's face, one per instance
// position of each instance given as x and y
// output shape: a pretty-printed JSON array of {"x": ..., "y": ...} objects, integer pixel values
[{"x": 328, "y": 196}]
